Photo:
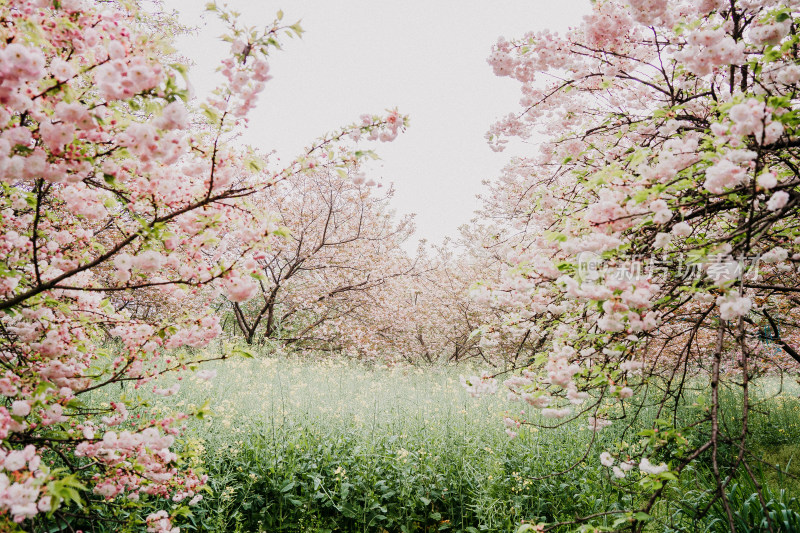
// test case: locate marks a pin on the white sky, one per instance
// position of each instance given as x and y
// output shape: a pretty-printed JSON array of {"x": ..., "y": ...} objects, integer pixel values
[{"x": 428, "y": 58}]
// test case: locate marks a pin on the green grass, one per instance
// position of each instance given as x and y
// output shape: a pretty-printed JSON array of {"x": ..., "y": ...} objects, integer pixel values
[
  {"x": 319, "y": 446},
  {"x": 304, "y": 446}
]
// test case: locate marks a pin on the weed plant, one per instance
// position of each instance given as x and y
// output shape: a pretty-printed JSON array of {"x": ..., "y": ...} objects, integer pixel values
[{"x": 331, "y": 446}]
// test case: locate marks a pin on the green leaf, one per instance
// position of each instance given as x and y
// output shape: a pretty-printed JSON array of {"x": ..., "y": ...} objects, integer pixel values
[
  {"x": 66, "y": 490},
  {"x": 772, "y": 54},
  {"x": 182, "y": 511},
  {"x": 555, "y": 236},
  {"x": 641, "y": 196},
  {"x": 255, "y": 164},
  {"x": 212, "y": 114},
  {"x": 243, "y": 352},
  {"x": 204, "y": 410},
  {"x": 283, "y": 231}
]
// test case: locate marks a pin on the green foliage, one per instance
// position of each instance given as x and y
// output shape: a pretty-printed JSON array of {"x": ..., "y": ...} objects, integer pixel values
[
  {"x": 66, "y": 490},
  {"x": 330, "y": 446},
  {"x": 781, "y": 514},
  {"x": 324, "y": 446}
]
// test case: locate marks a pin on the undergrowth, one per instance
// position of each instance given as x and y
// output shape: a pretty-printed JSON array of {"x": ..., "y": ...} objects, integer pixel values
[{"x": 330, "y": 446}]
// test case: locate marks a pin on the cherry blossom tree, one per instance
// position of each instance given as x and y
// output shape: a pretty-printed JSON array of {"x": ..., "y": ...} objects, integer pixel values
[
  {"x": 111, "y": 185},
  {"x": 434, "y": 317},
  {"x": 319, "y": 277},
  {"x": 428, "y": 318},
  {"x": 654, "y": 237}
]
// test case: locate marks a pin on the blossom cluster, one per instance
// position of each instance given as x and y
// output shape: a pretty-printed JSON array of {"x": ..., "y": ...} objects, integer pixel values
[
  {"x": 114, "y": 202},
  {"x": 651, "y": 230}
]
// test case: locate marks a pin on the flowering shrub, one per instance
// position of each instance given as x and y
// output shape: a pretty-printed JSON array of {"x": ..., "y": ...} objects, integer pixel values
[
  {"x": 111, "y": 186},
  {"x": 660, "y": 232}
]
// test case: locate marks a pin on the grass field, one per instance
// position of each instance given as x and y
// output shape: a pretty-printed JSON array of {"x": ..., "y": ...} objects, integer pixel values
[{"x": 297, "y": 446}]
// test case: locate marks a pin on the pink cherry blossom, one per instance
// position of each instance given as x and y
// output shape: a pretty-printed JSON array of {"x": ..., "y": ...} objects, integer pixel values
[{"x": 778, "y": 201}]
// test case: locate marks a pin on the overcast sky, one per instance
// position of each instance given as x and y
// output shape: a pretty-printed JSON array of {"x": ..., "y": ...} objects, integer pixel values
[{"x": 426, "y": 57}]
